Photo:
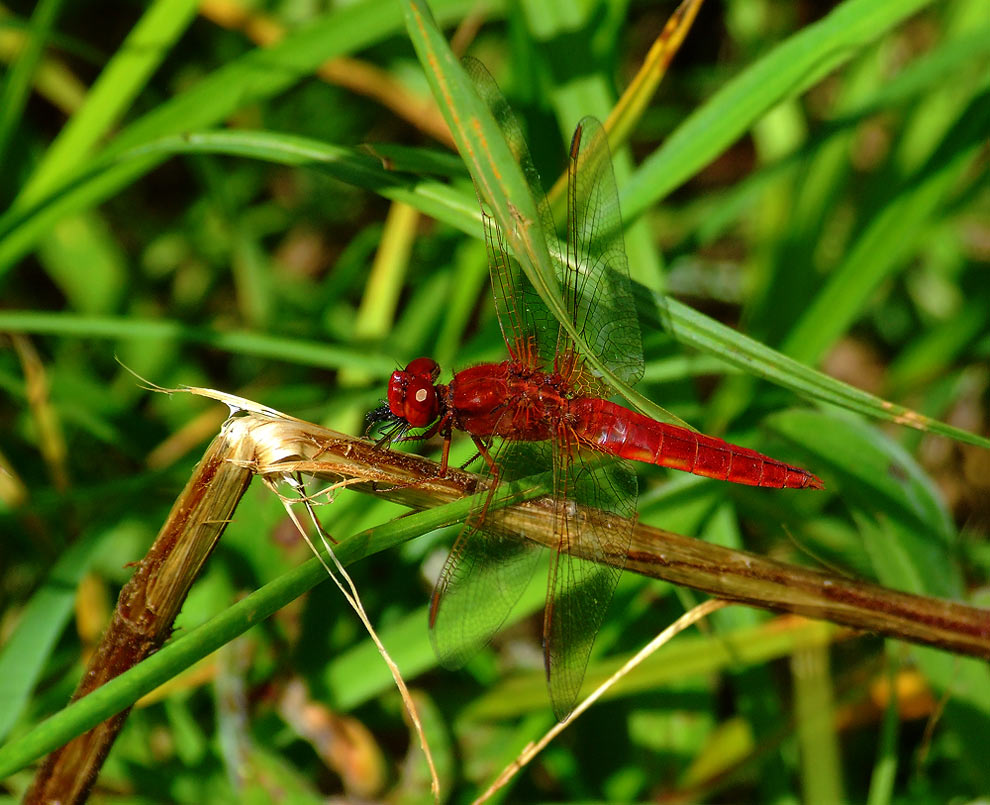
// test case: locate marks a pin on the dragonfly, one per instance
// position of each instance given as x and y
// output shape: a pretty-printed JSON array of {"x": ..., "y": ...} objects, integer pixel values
[{"x": 545, "y": 408}]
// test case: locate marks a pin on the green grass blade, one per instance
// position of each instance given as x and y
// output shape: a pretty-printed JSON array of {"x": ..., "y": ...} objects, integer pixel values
[
  {"x": 352, "y": 165},
  {"x": 964, "y": 682},
  {"x": 27, "y": 649},
  {"x": 890, "y": 237},
  {"x": 309, "y": 353},
  {"x": 680, "y": 659},
  {"x": 916, "y": 552},
  {"x": 815, "y": 727},
  {"x": 20, "y": 230},
  {"x": 261, "y": 74},
  {"x": 697, "y": 330},
  {"x": 500, "y": 180},
  {"x": 479, "y": 139},
  {"x": 788, "y": 70},
  {"x": 148, "y": 43},
  {"x": 178, "y": 655},
  {"x": 17, "y": 87},
  {"x": 885, "y": 765},
  {"x": 912, "y": 544}
]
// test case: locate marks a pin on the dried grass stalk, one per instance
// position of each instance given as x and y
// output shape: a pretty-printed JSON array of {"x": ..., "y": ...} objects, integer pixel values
[
  {"x": 262, "y": 441},
  {"x": 148, "y": 605}
]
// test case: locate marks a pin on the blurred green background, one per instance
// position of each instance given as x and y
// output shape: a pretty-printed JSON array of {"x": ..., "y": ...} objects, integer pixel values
[{"x": 812, "y": 174}]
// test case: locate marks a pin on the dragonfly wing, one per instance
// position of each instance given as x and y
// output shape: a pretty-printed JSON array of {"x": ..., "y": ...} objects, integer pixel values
[
  {"x": 580, "y": 589},
  {"x": 526, "y": 322},
  {"x": 486, "y": 572},
  {"x": 596, "y": 284},
  {"x": 522, "y": 315}
]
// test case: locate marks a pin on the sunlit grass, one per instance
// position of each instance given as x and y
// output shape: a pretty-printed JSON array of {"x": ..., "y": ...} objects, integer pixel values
[{"x": 814, "y": 191}]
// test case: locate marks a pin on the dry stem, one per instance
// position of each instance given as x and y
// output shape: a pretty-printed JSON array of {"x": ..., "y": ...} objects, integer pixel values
[
  {"x": 265, "y": 441},
  {"x": 147, "y": 607}
]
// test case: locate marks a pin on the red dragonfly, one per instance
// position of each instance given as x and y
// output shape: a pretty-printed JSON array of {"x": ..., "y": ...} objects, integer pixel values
[{"x": 545, "y": 408}]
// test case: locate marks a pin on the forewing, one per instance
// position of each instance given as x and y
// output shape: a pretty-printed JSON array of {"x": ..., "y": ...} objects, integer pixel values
[
  {"x": 487, "y": 569},
  {"x": 596, "y": 285},
  {"x": 526, "y": 323},
  {"x": 579, "y": 590}
]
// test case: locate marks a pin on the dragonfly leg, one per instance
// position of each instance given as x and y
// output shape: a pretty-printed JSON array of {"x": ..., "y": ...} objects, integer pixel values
[
  {"x": 487, "y": 456},
  {"x": 480, "y": 453},
  {"x": 495, "y": 474},
  {"x": 445, "y": 455},
  {"x": 417, "y": 437},
  {"x": 470, "y": 461}
]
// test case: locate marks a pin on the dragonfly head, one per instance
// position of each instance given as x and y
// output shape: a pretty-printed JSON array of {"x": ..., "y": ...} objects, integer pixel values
[
  {"x": 412, "y": 393},
  {"x": 413, "y": 401}
]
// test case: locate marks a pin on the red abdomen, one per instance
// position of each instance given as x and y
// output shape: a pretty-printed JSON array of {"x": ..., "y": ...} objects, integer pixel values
[{"x": 613, "y": 429}]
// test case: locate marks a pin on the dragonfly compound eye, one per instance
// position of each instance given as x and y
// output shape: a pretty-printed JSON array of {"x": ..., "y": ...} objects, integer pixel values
[
  {"x": 420, "y": 402},
  {"x": 397, "y": 393},
  {"x": 413, "y": 398},
  {"x": 426, "y": 368}
]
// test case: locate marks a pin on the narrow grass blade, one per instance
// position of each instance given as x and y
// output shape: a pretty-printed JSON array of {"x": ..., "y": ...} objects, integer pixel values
[
  {"x": 311, "y": 353},
  {"x": 122, "y": 691},
  {"x": 890, "y": 236},
  {"x": 260, "y": 74},
  {"x": 499, "y": 179},
  {"x": 124, "y": 76},
  {"x": 17, "y": 86},
  {"x": 639, "y": 93},
  {"x": 697, "y": 330},
  {"x": 20, "y": 230},
  {"x": 914, "y": 549},
  {"x": 27, "y": 649},
  {"x": 788, "y": 70}
]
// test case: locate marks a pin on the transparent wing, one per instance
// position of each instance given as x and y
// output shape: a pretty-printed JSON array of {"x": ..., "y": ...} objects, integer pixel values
[
  {"x": 579, "y": 589},
  {"x": 592, "y": 268},
  {"x": 529, "y": 329},
  {"x": 487, "y": 569},
  {"x": 595, "y": 280},
  {"x": 597, "y": 294}
]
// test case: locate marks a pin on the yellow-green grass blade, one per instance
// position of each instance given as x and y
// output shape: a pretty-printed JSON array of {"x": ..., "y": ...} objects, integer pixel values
[
  {"x": 699, "y": 331},
  {"x": 124, "y": 76},
  {"x": 294, "y": 350},
  {"x": 500, "y": 180},
  {"x": 180, "y": 654},
  {"x": 260, "y": 74},
  {"x": 17, "y": 85},
  {"x": 792, "y": 67},
  {"x": 20, "y": 230}
]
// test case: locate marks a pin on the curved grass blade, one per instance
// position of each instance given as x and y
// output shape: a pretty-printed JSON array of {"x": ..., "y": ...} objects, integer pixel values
[
  {"x": 885, "y": 243},
  {"x": 912, "y": 543},
  {"x": 311, "y": 353},
  {"x": 26, "y": 651},
  {"x": 140, "y": 54},
  {"x": 178, "y": 655},
  {"x": 501, "y": 182},
  {"x": 460, "y": 210},
  {"x": 630, "y": 107},
  {"x": 17, "y": 85},
  {"x": 20, "y": 229},
  {"x": 487, "y": 570},
  {"x": 788, "y": 70},
  {"x": 261, "y": 73},
  {"x": 699, "y": 331}
]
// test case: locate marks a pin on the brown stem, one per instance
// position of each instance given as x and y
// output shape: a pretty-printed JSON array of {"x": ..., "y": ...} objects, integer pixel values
[
  {"x": 765, "y": 583},
  {"x": 146, "y": 609},
  {"x": 721, "y": 572},
  {"x": 262, "y": 443}
]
